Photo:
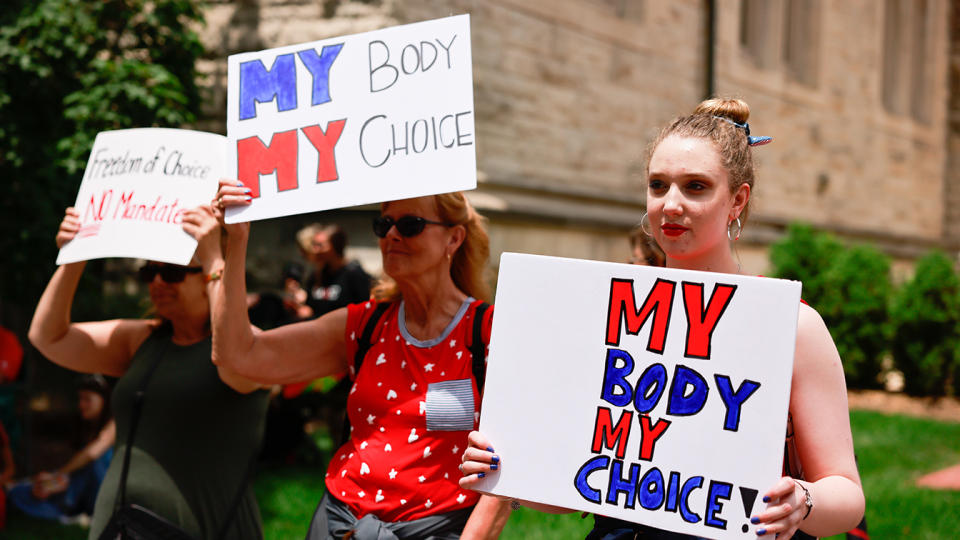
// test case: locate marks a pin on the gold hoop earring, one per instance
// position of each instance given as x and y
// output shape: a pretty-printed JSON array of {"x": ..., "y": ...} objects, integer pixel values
[{"x": 731, "y": 236}]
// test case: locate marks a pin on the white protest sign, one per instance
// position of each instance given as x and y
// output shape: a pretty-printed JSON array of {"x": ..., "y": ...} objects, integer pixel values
[
  {"x": 651, "y": 395},
  {"x": 137, "y": 184},
  {"x": 357, "y": 119}
]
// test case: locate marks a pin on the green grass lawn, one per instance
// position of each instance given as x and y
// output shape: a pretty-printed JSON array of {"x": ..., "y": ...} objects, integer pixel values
[{"x": 893, "y": 452}]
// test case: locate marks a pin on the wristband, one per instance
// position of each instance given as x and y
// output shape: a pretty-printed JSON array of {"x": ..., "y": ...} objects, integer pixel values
[
  {"x": 807, "y": 499},
  {"x": 213, "y": 276}
]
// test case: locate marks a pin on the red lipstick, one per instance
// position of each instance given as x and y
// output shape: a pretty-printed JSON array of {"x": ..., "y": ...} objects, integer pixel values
[{"x": 672, "y": 229}]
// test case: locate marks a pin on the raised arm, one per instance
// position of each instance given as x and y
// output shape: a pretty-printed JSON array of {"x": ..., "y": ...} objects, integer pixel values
[
  {"x": 287, "y": 354},
  {"x": 202, "y": 224},
  {"x": 821, "y": 423},
  {"x": 91, "y": 347}
]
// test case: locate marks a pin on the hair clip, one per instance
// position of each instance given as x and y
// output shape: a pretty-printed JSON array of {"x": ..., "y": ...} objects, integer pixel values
[{"x": 752, "y": 141}]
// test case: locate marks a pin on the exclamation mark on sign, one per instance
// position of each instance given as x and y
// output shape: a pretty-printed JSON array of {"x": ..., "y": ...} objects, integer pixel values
[{"x": 748, "y": 497}]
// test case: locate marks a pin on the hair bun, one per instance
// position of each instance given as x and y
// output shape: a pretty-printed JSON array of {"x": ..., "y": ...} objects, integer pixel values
[{"x": 734, "y": 109}]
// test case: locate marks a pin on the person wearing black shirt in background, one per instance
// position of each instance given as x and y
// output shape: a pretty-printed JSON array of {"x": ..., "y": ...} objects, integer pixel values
[{"x": 335, "y": 282}]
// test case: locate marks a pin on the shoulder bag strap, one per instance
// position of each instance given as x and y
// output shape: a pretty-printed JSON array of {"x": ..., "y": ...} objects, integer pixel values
[
  {"x": 138, "y": 399},
  {"x": 478, "y": 349}
]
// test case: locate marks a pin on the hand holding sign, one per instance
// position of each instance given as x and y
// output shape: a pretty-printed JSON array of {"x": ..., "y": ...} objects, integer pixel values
[
  {"x": 69, "y": 227},
  {"x": 785, "y": 511},
  {"x": 202, "y": 223},
  {"x": 479, "y": 460},
  {"x": 232, "y": 194}
]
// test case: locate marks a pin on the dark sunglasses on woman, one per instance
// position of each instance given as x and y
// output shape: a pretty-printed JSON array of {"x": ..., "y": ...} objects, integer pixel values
[
  {"x": 168, "y": 272},
  {"x": 407, "y": 226}
]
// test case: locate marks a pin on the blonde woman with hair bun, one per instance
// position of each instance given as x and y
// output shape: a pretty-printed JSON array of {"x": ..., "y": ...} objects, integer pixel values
[{"x": 700, "y": 178}]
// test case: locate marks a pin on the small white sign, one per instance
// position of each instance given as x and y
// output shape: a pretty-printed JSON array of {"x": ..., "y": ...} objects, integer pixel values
[
  {"x": 647, "y": 394},
  {"x": 357, "y": 119},
  {"x": 137, "y": 184}
]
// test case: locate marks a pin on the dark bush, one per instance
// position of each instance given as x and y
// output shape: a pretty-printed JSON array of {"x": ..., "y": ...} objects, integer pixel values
[
  {"x": 856, "y": 295},
  {"x": 804, "y": 255},
  {"x": 925, "y": 315}
]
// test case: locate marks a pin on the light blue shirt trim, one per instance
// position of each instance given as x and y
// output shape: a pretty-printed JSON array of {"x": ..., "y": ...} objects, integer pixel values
[{"x": 402, "y": 324}]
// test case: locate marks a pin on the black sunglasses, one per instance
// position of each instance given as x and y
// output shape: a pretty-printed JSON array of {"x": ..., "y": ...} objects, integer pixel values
[
  {"x": 407, "y": 226},
  {"x": 168, "y": 272}
]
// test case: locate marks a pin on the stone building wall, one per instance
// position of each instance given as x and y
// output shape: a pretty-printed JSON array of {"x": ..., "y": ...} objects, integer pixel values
[{"x": 569, "y": 92}]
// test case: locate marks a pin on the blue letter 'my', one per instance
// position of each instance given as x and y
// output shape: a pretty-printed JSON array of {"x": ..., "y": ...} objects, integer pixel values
[{"x": 259, "y": 85}]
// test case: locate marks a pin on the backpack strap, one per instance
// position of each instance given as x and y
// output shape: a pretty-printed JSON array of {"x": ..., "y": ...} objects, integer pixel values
[
  {"x": 478, "y": 349},
  {"x": 363, "y": 346}
]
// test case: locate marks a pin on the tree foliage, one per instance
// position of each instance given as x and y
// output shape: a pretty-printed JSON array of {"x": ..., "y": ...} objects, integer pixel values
[{"x": 69, "y": 69}]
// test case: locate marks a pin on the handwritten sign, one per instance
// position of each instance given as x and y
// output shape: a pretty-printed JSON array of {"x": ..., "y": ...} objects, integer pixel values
[
  {"x": 137, "y": 184},
  {"x": 352, "y": 120},
  {"x": 651, "y": 395}
]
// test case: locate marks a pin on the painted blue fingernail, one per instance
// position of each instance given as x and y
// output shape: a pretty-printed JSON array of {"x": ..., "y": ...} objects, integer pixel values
[
  {"x": 247, "y": 190},
  {"x": 481, "y": 475},
  {"x": 766, "y": 499},
  {"x": 495, "y": 459},
  {"x": 493, "y": 466},
  {"x": 239, "y": 184},
  {"x": 754, "y": 520},
  {"x": 761, "y": 532},
  {"x": 489, "y": 449},
  {"x": 249, "y": 198}
]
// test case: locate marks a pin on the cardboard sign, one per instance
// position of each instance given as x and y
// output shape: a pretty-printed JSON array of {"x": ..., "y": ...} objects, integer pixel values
[
  {"x": 137, "y": 184},
  {"x": 651, "y": 395},
  {"x": 353, "y": 120}
]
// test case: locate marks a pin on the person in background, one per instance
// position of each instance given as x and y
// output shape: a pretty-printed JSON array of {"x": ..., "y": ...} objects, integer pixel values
[
  {"x": 420, "y": 343},
  {"x": 334, "y": 281},
  {"x": 644, "y": 249},
  {"x": 68, "y": 493},
  {"x": 699, "y": 180},
  {"x": 200, "y": 426}
]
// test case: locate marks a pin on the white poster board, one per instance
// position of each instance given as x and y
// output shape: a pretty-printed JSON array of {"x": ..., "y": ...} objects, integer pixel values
[
  {"x": 695, "y": 447},
  {"x": 137, "y": 184},
  {"x": 357, "y": 119}
]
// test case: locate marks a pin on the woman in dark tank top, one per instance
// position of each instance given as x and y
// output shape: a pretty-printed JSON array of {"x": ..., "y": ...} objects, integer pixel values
[{"x": 200, "y": 426}]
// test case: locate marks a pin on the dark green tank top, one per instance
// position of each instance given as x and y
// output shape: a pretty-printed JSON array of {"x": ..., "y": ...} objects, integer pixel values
[{"x": 194, "y": 442}]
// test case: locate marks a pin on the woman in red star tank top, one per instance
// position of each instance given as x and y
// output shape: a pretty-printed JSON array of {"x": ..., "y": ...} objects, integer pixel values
[{"x": 410, "y": 354}]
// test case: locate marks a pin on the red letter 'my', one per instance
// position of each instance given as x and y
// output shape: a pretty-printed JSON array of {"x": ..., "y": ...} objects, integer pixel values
[
  {"x": 622, "y": 305},
  {"x": 254, "y": 159}
]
